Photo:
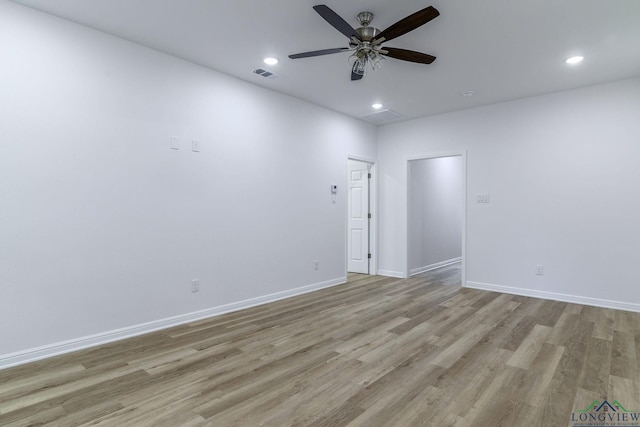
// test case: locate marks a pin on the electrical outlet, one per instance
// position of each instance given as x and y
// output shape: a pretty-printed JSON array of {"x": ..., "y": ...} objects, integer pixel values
[
  {"x": 539, "y": 270},
  {"x": 316, "y": 265},
  {"x": 195, "y": 286},
  {"x": 482, "y": 198},
  {"x": 195, "y": 145}
]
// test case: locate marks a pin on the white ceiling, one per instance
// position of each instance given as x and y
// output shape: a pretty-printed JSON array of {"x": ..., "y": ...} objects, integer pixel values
[{"x": 500, "y": 49}]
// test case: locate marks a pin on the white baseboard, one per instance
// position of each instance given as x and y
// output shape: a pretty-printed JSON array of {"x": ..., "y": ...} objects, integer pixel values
[
  {"x": 31, "y": 355},
  {"x": 389, "y": 273},
  {"x": 596, "y": 302},
  {"x": 435, "y": 266}
]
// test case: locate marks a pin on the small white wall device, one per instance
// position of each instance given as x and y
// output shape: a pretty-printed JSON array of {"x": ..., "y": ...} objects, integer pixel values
[{"x": 334, "y": 189}]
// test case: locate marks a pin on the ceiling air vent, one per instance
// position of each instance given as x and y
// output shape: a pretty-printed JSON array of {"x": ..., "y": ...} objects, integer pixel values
[
  {"x": 383, "y": 117},
  {"x": 263, "y": 72}
]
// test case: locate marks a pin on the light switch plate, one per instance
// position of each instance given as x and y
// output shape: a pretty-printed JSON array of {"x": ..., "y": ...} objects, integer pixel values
[{"x": 175, "y": 143}]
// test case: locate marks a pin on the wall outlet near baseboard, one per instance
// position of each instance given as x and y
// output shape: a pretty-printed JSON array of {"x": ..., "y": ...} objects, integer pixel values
[
  {"x": 316, "y": 265},
  {"x": 482, "y": 198},
  {"x": 539, "y": 270},
  {"x": 195, "y": 285}
]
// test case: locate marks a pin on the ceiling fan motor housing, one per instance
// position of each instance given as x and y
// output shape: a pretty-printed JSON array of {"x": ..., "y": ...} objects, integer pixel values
[{"x": 366, "y": 32}]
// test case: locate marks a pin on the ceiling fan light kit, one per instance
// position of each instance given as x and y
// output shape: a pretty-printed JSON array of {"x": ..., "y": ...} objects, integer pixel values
[
  {"x": 366, "y": 41},
  {"x": 364, "y": 52}
]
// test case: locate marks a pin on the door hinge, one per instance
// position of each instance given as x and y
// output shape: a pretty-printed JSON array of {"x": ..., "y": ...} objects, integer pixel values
[
  {"x": 369, "y": 216},
  {"x": 369, "y": 256},
  {"x": 369, "y": 176}
]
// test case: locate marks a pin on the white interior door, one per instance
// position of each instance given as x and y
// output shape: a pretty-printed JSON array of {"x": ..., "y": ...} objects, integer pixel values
[{"x": 358, "y": 210}]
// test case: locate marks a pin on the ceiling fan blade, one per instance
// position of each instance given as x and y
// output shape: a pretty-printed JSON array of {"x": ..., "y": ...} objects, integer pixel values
[
  {"x": 336, "y": 21},
  {"x": 407, "y": 24},
  {"x": 408, "y": 55},
  {"x": 318, "y": 52},
  {"x": 354, "y": 75}
]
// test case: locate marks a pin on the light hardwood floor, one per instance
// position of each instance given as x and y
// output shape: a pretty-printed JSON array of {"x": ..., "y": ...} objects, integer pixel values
[{"x": 375, "y": 352}]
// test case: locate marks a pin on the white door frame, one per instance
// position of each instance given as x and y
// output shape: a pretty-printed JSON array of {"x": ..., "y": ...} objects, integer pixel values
[
  {"x": 373, "y": 207},
  {"x": 463, "y": 155}
]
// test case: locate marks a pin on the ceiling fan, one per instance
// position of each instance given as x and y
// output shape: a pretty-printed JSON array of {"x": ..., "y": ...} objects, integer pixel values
[{"x": 366, "y": 42}]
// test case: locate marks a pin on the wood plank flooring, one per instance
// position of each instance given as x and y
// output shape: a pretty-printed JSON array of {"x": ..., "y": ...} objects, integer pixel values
[{"x": 375, "y": 352}]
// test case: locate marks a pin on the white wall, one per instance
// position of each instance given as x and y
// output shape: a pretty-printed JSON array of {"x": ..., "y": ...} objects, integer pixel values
[
  {"x": 102, "y": 226},
  {"x": 563, "y": 176},
  {"x": 435, "y": 212}
]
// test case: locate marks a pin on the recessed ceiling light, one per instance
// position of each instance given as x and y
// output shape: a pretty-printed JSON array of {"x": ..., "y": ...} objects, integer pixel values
[
  {"x": 376, "y": 106},
  {"x": 271, "y": 61},
  {"x": 574, "y": 59}
]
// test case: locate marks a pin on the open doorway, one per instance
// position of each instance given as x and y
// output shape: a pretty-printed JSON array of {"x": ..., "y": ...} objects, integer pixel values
[
  {"x": 436, "y": 212},
  {"x": 360, "y": 217}
]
